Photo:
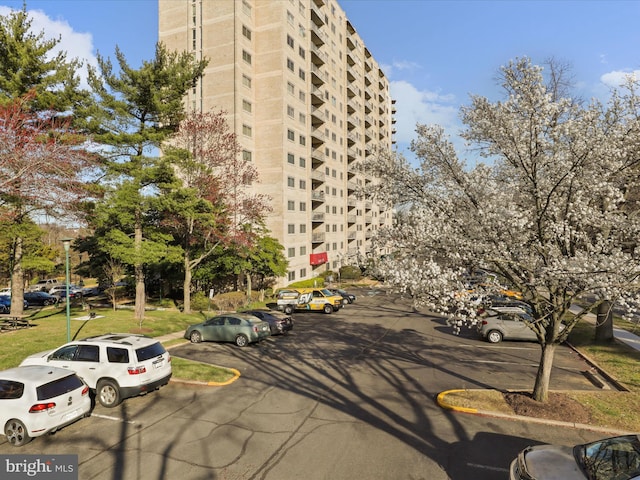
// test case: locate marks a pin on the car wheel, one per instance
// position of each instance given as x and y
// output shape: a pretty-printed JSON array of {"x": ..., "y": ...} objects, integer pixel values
[
  {"x": 108, "y": 393},
  {"x": 16, "y": 433},
  {"x": 494, "y": 336},
  {"x": 242, "y": 341},
  {"x": 328, "y": 308},
  {"x": 288, "y": 309},
  {"x": 46, "y": 303},
  {"x": 195, "y": 337}
]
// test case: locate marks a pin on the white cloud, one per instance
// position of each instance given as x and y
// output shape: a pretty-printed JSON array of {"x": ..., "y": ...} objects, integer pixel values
[
  {"x": 77, "y": 44},
  {"x": 617, "y": 77},
  {"x": 414, "y": 106}
]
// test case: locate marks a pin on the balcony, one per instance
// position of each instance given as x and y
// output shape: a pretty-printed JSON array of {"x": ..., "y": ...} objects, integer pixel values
[
  {"x": 318, "y": 77},
  {"x": 351, "y": 219},
  {"x": 318, "y": 57},
  {"x": 317, "y": 177},
  {"x": 317, "y": 238},
  {"x": 316, "y": 16},
  {"x": 318, "y": 196},
  {"x": 317, "y": 98},
  {"x": 317, "y": 117},
  {"x": 317, "y": 218},
  {"x": 317, "y": 137}
]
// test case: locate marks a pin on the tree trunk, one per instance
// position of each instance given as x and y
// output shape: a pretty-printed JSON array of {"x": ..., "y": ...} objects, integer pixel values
[
  {"x": 541, "y": 387},
  {"x": 17, "y": 279},
  {"x": 604, "y": 323},
  {"x": 186, "y": 286},
  {"x": 139, "y": 275}
]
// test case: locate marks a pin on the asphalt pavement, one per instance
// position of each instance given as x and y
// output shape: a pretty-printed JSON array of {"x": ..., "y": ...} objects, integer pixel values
[{"x": 623, "y": 336}]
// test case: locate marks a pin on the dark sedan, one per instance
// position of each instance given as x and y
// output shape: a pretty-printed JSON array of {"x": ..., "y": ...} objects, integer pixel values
[
  {"x": 348, "y": 297},
  {"x": 5, "y": 303},
  {"x": 40, "y": 298},
  {"x": 279, "y": 325}
]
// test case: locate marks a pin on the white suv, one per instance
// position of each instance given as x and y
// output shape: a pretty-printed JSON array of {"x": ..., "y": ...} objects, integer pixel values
[
  {"x": 36, "y": 400},
  {"x": 115, "y": 366}
]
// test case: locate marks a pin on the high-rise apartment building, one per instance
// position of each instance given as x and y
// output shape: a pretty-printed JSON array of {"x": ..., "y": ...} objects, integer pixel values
[{"x": 307, "y": 102}]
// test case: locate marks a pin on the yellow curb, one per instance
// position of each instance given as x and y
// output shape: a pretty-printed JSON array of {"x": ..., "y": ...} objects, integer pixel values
[
  {"x": 236, "y": 375},
  {"x": 443, "y": 404}
]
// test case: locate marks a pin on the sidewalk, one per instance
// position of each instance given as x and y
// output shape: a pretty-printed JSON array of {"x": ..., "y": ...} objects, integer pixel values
[{"x": 619, "y": 334}]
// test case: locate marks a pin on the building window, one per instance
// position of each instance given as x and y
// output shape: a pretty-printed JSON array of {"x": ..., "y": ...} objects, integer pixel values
[
  {"x": 303, "y": 250},
  {"x": 290, "y": 111},
  {"x": 246, "y": 32},
  {"x": 301, "y": 52},
  {"x": 291, "y": 182},
  {"x": 246, "y": 106},
  {"x": 291, "y": 158},
  {"x": 303, "y": 140},
  {"x": 302, "y": 74},
  {"x": 246, "y": 81},
  {"x": 303, "y": 184},
  {"x": 291, "y": 228},
  {"x": 303, "y": 272},
  {"x": 290, "y": 17},
  {"x": 303, "y": 206},
  {"x": 291, "y": 88},
  {"x": 246, "y": 56},
  {"x": 290, "y": 64},
  {"x": 303, "y": 228},
  {"x": 291, "y": 135},
  {"x": 291, "y": 276},
  {"x": 291, "y": 252},
  {"x": 246, "y": 130},
  {"x": 302, "y": 118},
  {"x": 290, "y": 41},
  {"x": 246, "y": 156},
  {"x": 302, "y": 96},
  {"x": 291, "y": 205},
  {"x": 303, "y": 162}
]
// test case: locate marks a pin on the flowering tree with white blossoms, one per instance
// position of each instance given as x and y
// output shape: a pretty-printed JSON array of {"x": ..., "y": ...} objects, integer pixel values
[{"x": 550, "y": 214}]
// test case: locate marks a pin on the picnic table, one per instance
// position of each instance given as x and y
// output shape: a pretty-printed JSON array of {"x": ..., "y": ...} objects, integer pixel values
[{"x": 13, "y": 322}]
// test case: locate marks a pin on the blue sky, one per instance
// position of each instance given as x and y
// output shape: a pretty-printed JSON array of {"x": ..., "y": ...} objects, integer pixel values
[{"x": 435, "y": 53}]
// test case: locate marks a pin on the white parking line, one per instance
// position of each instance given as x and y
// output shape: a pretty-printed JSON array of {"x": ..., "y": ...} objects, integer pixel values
[
  {"x": 488, "y": 467},
  {"x": 115, "y": 419}
]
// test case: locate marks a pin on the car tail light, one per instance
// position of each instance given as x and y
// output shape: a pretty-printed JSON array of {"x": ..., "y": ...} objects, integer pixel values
[
  {"x": 42, "y": 407},
  {"x": 85, "y": 390},
  {"x": 255, "y": 329},
  {"x": 136, "y": 370},
  {"x": 484, "y": 322}
]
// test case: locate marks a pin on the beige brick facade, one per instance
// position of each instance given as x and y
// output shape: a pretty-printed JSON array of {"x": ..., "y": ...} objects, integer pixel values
[{"x": 307, "y": 101}]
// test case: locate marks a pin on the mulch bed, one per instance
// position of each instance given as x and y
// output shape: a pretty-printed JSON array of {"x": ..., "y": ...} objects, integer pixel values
[{"x": 558, "y": 407}]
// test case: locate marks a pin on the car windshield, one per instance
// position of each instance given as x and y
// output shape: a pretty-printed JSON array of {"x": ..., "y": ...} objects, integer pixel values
[{"x": 611, "y": 459}]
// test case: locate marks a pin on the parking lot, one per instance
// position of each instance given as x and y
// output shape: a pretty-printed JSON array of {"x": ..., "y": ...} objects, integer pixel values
[{"x": 349, "y": 394}]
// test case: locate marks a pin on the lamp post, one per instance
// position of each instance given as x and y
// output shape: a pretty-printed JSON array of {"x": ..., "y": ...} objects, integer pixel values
[{"x": 66, "y": 242}]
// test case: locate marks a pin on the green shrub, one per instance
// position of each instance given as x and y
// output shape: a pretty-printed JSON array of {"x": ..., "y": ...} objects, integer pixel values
[
  {"x": 200, "y": 302},
  {"x": 350, "y": 273}
]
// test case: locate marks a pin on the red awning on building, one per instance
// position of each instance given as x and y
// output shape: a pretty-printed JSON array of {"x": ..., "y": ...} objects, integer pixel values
[{"x": 318, "y": 258}]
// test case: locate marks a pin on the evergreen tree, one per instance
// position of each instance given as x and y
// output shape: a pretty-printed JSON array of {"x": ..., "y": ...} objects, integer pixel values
[{"x": 137, "y": 110}]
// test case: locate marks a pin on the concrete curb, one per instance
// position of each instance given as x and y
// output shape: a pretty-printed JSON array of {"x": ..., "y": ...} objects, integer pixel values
[
  {"x": 440, "y": 399},
  {"x": 236, "y": 373}
]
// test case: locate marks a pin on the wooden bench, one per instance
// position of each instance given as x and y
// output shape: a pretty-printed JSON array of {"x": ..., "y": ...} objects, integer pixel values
[{"x": 14, "y": 322}]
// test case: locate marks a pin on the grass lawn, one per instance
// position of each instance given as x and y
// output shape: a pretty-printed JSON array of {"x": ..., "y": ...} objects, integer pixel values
[{"x": 49, "y": 331}]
